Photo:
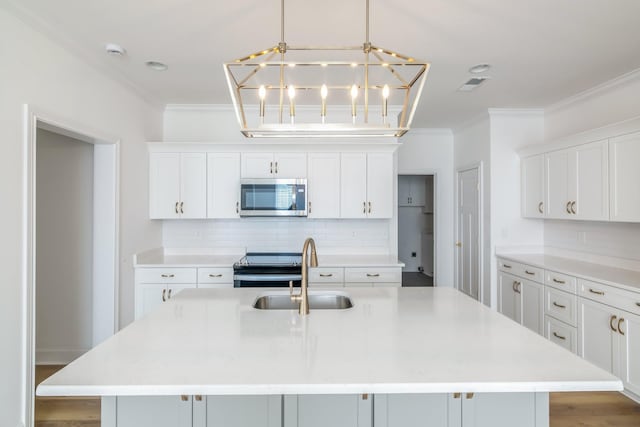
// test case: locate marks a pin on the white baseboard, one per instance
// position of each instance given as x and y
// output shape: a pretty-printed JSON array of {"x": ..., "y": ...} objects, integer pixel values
[{"x": 58, "y": 357}]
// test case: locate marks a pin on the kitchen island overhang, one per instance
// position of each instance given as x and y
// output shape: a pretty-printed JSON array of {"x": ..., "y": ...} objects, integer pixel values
[{"x": 406, "y": 340}]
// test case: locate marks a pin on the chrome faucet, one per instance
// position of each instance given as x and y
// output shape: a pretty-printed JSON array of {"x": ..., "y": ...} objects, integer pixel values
[{"x": 303, "y": 296}]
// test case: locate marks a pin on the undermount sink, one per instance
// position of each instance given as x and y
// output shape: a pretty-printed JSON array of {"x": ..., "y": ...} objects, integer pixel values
[{"x": 317, "y": 301}]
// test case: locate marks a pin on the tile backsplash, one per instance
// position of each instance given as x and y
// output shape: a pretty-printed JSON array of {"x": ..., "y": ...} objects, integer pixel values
[{"x": 280, "y": 234}]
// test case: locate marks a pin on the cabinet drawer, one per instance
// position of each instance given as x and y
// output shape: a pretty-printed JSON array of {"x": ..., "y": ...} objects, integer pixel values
[
  {"x": 562, "y": 334},
  {"x": 326, "y": 275},
  {"x": 615, "y": 297},
  {"x": 166, "y": 275},
  {"x": 561, "y": 305},
  {"x": 530, "y": 273},
  {"x": 560, "y": 281},
  {"x": 373, "y": 275},
  {"x": 508, "y": 266},
  {"x": 215, "y": 275}
]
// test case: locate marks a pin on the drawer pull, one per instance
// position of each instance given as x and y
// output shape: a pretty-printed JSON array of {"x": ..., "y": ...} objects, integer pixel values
[
  {"x": 169, "y": 294},
  {"x": 638, "y": 304},
  {"x": 596, "y": 292},
  {"x": 559, "y": 336},
  {"x": 611, "y": 320},
  {"x": 215, "y": 275},
  {"x": 373, "y": 275},
  {"x": 559, "y": 305},
  {"x": 532, "y": 273},
  {"x": 506, "y": 265},
  {"x": 198, "y": 398},
  {"x": 457, "y": 395},
  {"x": 169, "y": 276},
  {"x": 326, "y": 274},
  {"x": 469, "y": 395},
  {"x": 568, "y": 208},
  {"x": 184, "y": 398},
  {"x": 562, "y": 282},
  {"x": 540, "y": 205},
  {"x": 164, "y": 295},
  {"x": 620, "y": 322}
]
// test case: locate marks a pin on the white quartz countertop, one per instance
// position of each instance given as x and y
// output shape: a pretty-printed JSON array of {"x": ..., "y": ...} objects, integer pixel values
[
  {"x": 393, "y": 340},
  {"x": 627, "y": 279}
]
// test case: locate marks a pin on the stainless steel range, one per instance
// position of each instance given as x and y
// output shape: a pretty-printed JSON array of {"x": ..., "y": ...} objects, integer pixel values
[{"x": 268, "y": 270}]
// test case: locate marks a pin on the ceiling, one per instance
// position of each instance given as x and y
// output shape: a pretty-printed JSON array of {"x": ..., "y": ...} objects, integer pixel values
[{"x": 541, "y": 50}]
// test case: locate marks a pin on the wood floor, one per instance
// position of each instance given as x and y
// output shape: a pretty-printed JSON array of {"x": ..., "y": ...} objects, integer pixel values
[{"x": 608, "y": 409}]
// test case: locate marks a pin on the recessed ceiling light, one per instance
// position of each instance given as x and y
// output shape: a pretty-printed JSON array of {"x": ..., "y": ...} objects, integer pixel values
[
  {"x": 156, "y": 65},
  {"x": 480, "y": 68},
  {"x": 115, "y": 49}
]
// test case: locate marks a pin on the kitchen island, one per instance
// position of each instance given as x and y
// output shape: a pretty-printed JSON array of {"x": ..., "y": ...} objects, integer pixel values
[{"x": 398, "y": 356}]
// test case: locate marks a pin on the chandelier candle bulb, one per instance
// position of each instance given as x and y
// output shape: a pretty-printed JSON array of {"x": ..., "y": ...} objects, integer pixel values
[
  {"x": 292, "y": 103},
  {"x": 262, "y": 94},
  {"x": 385, "y": 100},
  {"x": 323, "y": 109},
  {"x": 354, "y": 95}
]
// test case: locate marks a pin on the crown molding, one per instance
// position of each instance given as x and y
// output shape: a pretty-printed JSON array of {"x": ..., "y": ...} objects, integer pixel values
[
  {"x": 594, "y": 91},
  {"x": 517, "y": 112}
]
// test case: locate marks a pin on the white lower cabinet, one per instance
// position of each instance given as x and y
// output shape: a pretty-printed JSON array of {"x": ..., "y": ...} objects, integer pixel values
[
  {"x": 150, "y": 411},
  {"x": 532, "y": 304},
  {"x": 335, "y": 410},
  {"x": 509, "y": 302},
  {"x": 417, "y": 410},
  {"x": 238, "y": 411},
  {"x": 149, "y": 295},
  {"x": 562, "y": 334}
]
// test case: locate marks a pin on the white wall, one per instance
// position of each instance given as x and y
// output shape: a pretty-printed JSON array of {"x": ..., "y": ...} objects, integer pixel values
[
  {"x": 64, "y": 248},
  {"x": 430, "y": 152},
  {"x": 37, "y": 71}
]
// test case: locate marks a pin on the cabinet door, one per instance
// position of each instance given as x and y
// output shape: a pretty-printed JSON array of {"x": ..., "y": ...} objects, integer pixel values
[
  {"x": 223, "y": 185},
  {"x": 415, "y": 410},
  {"x": 595, "y": 334},
  {"x": 148, "y": 296},
  {"x": 290, "y": 165},
  {"x": 154, "y": 411},
  {"x": 353, "y": 185},
  {"x": 624, "y": 153},
  {"x": 257, "y": 165},
  {"x": 380, "y": 184},
  {"x": 556, "y": 183},
  {"x": 532, "y": 186},
  {"x": 503, "y": 410},
  {"x": 404, "y": 190},
  {"x": 164, "y": 185},
  {"x": 630, "y": 351},
  {"x": 417, "y": 190},
  {"x": 509, "y": 299},
  {"x": 532, "y": 306},
  {"x": 335, "y": 410},
  {"x": 193, "y": 185},
  {"x": 242, "y": 411},
  {"x": 589, "y": 181},
  {"x": 324, "y": 185}
]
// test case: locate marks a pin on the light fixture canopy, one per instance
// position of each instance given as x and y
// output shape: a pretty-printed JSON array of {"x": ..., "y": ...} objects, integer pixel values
[{"x": 341, "y": 91}]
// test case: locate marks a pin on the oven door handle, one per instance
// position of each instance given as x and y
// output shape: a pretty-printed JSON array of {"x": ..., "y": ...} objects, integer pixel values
[{"x": 267, "y": 277}]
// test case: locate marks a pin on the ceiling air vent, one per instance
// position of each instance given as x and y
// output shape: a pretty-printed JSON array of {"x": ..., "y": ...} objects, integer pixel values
[{"x": 472, "y": 83}]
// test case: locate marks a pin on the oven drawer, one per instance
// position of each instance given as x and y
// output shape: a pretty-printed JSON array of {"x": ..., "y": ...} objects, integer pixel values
[
  {"x": 326, "y": 275},
  {"x": 215, "y": 275},
  {"x": 166, "y": 275},
  {"x": 561, "y": 305},
  {"x": 373, "y": 275}
]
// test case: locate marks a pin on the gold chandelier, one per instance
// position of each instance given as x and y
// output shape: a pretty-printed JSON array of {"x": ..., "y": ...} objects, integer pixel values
[{"x": 346, "y": 91}]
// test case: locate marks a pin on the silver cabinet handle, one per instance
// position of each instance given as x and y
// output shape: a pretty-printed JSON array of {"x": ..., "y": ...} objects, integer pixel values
[
  {"x": 181, "y": 207},
  {"x": 177, "y": 204},
  {"x": 540, "y": 205},
  {"x": 611, "y": 320},
  {"x": 169, "y": 294},
  {"x": 215, "y": 275},
  {"x": 568, "y": 207},
  {"x": 596, "y": 292},
  {"x": 164, "y": 293},
  {"x": 309, "y": 206},
  {"x": 513, "y": 286},
  {"x": 276, "y": 167},
  {"x": 517, "y": 287},
  {"x": 373, "y": 275},
  {"x": 506, "y": 266},
  {"x": 573, "y": 208},
  {"x": 168, "y": 275},
  {"x": 237, "y": 207},
  {"x": 364, "y": 207},
  {"x": 559, "y": 305},
  {"x": 271, "y": 167},
  {"x": 562, "y": 282},
  {"x": 326, "y": 274},
  {"x": 369, "y": 207},
  {"x": 559, "y": 336},
  {"x": 531, "y": 273},
  {"x": 620, "y": 322}
]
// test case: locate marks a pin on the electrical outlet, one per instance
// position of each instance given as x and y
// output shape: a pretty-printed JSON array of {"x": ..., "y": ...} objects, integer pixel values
[{"x": 413, "y": 254}]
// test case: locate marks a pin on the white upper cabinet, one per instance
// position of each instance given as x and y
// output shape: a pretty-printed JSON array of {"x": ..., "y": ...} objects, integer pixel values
[
  {"x": 557, "y": 185},
  {"x": 411, "y": 190},
  {"x": 177, "y": 185},
  {"x": 366, "y": 182},
  {"x": 223, "y": 185},
  {"x": 274, "y": 165},
  {"x": 532, "y": 183},
  {"x": 624, "y": 153},
  {"x": 324, "y": 185}
]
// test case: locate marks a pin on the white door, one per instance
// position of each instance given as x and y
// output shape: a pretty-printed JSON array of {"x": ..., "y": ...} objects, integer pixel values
[
  {"x": 193, "y": 185},
  {"x": 164, "y": 185},
  {"x": 589, "y": 181},
  {"x": 324, "y": 185},
  {"x": 508, "y": 298},
  {"x": 353, "y": 185},
  {"x": 154, "y": 411},
  {"x": 380, "y": 185},
  {"x": 290, "y": 165},
  {"x": 532, "y": 186},
  {"x": 240, "y": 411},
  {"x": 532, "y": 306},
  {"x": 223, "y": 185},
  {"x": 596, "y": 335},
  {"x": 468, "y": 255},
  {"x": 624, "y": 153},
  {"x": 257, "y": 165},
  {"x": 630, "y": 351},
  {"x": 556, "y": 182}
]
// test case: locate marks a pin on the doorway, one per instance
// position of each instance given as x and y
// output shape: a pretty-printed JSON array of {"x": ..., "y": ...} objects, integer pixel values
[
  {"x": 416, "y": 229},
  {"x": 469, "y": 232},
  {"x": 71, "y": 245}
]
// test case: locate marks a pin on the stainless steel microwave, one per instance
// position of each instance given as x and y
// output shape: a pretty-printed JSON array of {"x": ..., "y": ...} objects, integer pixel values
[{"x": 273, "y": 197}]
